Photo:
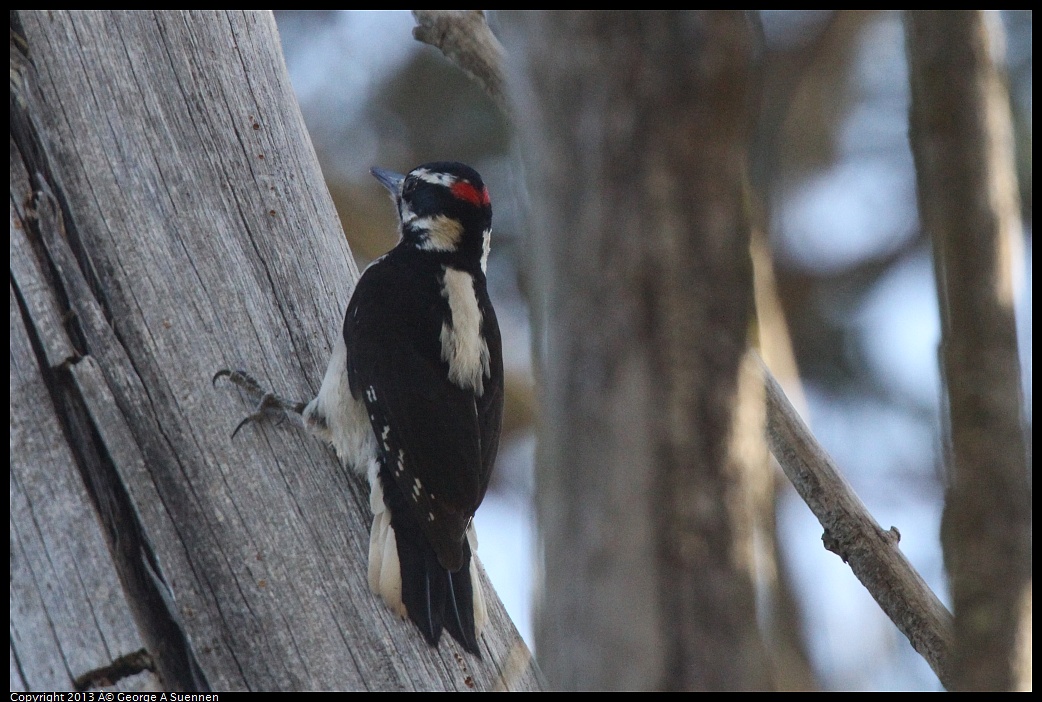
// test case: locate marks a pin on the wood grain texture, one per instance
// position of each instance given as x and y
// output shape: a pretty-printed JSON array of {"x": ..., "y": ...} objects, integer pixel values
[
  {"x": 69, "y": 616},
  {"x": 175, "y": 211}
]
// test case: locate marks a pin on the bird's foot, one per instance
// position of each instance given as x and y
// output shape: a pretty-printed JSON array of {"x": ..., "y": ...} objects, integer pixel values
[{"x": 268, "y": 403}]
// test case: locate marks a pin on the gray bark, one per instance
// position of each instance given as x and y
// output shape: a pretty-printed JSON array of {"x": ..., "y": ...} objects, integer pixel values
[
  {"x": 169, "y": 218},
  {"x": 961, "y": 137},
  {"x": 635, "y": 129}
]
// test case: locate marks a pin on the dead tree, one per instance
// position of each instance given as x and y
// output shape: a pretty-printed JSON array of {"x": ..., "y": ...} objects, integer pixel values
[{"x": 169, "y": 218}]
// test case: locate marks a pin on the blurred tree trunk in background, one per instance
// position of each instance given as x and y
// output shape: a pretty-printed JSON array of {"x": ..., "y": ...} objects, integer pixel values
[
  {"x": 636, "y": 127},
  {"x": 169, "y": 218},
  {"x": 968, "y": 199}
]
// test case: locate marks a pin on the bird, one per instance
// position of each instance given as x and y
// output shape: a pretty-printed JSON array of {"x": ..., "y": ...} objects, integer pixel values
[{"x": 412, "y": 398}]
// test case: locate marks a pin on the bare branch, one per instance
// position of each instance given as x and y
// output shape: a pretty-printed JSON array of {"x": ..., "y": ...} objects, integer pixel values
[
  {"x": 852, "y": 534},
  {"x": 466, "y": 40}
]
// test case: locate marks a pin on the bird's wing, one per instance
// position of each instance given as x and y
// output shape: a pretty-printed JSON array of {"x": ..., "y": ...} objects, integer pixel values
[{"x": 429, "y": 430}]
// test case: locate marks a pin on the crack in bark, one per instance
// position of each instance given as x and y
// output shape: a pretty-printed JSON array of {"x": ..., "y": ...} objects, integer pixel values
[{"x": 43, "y": 221}]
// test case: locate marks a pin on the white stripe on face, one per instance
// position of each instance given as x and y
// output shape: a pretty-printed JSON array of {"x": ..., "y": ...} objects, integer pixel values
[{"x": 434, "y": 178}]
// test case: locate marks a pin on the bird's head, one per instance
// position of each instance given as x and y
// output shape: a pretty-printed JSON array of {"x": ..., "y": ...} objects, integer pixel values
[{"x": 443, "y": 206}]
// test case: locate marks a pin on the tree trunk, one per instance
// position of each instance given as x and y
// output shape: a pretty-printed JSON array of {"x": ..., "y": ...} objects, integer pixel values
[
  {"x": 169, "y": 218},
  {"x": 962, "y": 140},
  {"x": 636, "y": 129}
]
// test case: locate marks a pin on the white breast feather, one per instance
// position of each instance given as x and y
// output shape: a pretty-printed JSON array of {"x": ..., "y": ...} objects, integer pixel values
[{"x": 338, "y": 418}]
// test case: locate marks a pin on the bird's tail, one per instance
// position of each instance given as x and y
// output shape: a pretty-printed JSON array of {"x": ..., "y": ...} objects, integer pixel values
[{"x": 405, "y": 572}]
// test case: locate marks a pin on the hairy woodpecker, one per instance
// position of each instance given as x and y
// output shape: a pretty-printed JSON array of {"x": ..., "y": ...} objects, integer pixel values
[{"x": 413, "y": 398}]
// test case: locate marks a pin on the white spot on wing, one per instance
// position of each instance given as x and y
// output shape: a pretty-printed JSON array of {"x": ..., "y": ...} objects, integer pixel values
[{"x": 462, "y": 345}]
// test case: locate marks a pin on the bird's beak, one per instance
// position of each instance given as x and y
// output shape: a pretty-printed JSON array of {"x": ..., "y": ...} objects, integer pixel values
[{"x": 389, "y": 179}]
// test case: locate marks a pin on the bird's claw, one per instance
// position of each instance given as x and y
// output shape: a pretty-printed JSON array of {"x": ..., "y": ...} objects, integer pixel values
[
  {"x": 266, "y": 400},
  {"x": 241, "y": 378}
]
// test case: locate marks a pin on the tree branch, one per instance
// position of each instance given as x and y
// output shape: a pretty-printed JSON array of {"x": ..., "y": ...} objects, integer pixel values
[
  {"x": 853, "y": 535},
  {"x": 466, "y": 40}
]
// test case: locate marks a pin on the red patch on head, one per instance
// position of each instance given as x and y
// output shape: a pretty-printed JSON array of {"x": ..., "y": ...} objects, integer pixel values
[{"x": 465, "y": 191}]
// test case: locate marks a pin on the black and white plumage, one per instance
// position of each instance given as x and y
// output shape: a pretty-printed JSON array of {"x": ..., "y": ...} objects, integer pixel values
[{"x": 413, "y": 397}]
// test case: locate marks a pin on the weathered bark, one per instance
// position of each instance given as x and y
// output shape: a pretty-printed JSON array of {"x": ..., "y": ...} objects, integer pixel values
[
  {"x": 962, "y": 140},
  {"x": 635, "y": 126},
  {"x": 168, "y": 218}
]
